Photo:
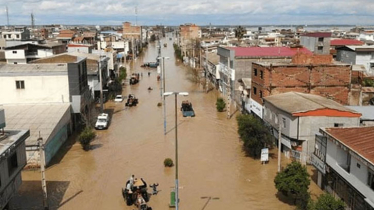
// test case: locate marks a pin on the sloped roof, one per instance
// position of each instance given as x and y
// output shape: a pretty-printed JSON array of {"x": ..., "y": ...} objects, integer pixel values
[
  {"x": 295, "y": 102},
  {"x": 358, "y": 139},
  {"x": 268, "y": 51},
  {"x": 317, "y": 34},
  {"x": 341, "y": 42}
]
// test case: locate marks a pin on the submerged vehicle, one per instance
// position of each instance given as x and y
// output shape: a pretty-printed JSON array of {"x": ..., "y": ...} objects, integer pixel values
[
  {"x": 150, "y": 64},
  {"x": 102, "y": 121},
  {"x": 134, "y": 79},
  {"x": 136, "y": 194},
  {"x": 187, "y": 110},
  {"x": 131, "y": 100}
]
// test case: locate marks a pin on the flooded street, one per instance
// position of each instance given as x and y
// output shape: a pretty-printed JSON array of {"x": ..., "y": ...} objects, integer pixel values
[{"x": 211, "y": 161}]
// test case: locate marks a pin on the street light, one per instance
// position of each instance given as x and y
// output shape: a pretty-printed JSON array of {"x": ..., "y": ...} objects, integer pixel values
[
  {"x": 176, "y": 142},
  {"x": 163, "y": 88}
]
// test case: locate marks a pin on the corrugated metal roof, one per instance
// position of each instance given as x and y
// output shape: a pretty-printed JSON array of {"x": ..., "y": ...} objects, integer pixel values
[
  {"x": 294, "y": 102},
  {"x": 268, "y": 51},
  {"x": 341, "y": 42},
  {"x": 358, "y": 139}
]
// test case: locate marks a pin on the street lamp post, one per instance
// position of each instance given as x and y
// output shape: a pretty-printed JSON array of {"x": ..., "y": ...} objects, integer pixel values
[
  {"x": 163, "y": 88},
  {"x": 176, "y": 143}
]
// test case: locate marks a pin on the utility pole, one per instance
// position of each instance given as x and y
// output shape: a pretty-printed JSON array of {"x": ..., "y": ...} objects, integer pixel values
[
  {"x": 228, "y": 89},
  {"x": 7, "y": 16},
  {"x": 163, "y": 84},
  {"x": 101, "y": 83},
  {"x": 42, "y": 169},
  {"x": 206, "y": 70},
  {"x": 279, "y": 142}
]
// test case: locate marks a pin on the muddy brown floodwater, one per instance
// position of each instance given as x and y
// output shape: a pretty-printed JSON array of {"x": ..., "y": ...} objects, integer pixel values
[{"x": 211, "y": 161}]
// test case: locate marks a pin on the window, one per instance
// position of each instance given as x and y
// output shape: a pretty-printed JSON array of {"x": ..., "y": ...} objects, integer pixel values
[
  {"x": 371, "y": 179},
  {"x": 283, "y": 122},
  {"x": 17, "y": 36},
  {"x": 320, "y": 48},
  {"x": 261, "y": 74},
  {"x": 320, "y": 39},
  {"x": 12, "y": 163},
  {"x": 20, "y": 84},
  {"x": 14, "y": 52},
  {"x": 260, "y": 94},
  {"x": 254, "y": 90},
  {"x": 255, "y": 72},
  {"x": 14, "y": 62},
  {"x": 337, "y": 125}
]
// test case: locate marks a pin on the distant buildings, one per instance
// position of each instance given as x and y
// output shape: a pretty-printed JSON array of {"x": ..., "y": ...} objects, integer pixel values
[{"x": 318, "y": 42}]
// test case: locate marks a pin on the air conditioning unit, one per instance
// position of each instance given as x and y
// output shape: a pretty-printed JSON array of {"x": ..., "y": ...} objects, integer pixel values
[{"x": 2, "y": 118}]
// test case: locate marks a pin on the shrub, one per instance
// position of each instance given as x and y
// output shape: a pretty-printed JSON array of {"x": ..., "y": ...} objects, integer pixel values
[
  {"x": 326, "y": 202},
  {"x": 168, "y": 162},
  {"x": 85, "y": 138},
  {"x": 220, "y": 104}
]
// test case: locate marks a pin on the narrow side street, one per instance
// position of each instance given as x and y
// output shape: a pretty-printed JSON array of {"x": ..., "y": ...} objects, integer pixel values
[{"x": 211, "y": 160}]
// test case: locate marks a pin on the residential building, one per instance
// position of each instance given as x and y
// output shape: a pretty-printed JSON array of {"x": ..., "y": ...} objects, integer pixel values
[
  {"x": 17, "y": 34},
  {"x": 366, "y": 35},
  {"x": 66, "y": 36},
  {"x": 344, "y": 160},
  {"x": 318, "y": 42},
  {"x": 357, "y": 55},
  {"x": 336, "y": 43},
  {"x": 84, "y": 48},
  {"x": 188, "y": 34},
  {"x": 24, "y": 53},
  {"x": 134, "y": 35},
  {"x": 300, "y": 120},
  {"x": 241, "y": 59},
  {"x": 12, "y": 161},
  {"x": 315, "y": 74}
]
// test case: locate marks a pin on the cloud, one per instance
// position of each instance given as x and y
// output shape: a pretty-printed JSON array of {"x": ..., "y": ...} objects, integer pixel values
[{"x": 172, "y": 12}]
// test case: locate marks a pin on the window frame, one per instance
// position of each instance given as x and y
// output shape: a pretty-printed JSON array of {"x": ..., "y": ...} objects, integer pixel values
[
  {"x": 370, "y": 181},
  {"x": 20, "y": 84},
  {"x": 255, "y": 72},
  {"x": 254, "y": 91}
]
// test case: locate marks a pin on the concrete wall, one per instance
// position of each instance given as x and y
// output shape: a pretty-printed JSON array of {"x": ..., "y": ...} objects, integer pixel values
[
  {"x": 308, "y": 42},
  {"x": 38, "y": 89},
  {"x": 79, "y": 49},
  {"x": 18, "y": 56},
  {"x": 357, "y": 176},
  {"x": 42, "y": 53},
  {"x": 364, "y": 59}
]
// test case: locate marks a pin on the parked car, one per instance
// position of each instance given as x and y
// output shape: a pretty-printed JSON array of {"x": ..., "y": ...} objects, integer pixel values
[
  {"x": 102, "y": 121},
  {"x": 187, "y": 110},
  {"x": 119, "y": 98}
]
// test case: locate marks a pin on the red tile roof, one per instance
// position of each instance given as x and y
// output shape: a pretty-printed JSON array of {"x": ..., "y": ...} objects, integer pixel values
[
  {"x": 318, "y": 34},
  {"x": 268, "y": 51},
  {"x": 341, "y": 42},
  {"x": 359, "y": 139}
]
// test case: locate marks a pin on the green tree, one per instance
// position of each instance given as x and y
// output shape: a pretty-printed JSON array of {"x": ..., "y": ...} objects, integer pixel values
[
  {"x": 153, "y": 38},
  {"x": 85, "y": 137},
  {"x": 254, "y": 134},
  {"x": 326, "y": 202},
  {"x": 294, "y": 182},
  {"x": 220, "y": 104},
  {"x": 122, "y": 73},
  {"x": 239, "y": 33},
  {"x": 177, "y": 51}
]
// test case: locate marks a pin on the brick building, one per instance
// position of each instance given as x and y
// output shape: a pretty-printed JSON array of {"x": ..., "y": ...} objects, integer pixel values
[
  {"x": 187, "y": 33},
  {"x": 316, "y": 74},
  {"x": 131, "y": 32}
]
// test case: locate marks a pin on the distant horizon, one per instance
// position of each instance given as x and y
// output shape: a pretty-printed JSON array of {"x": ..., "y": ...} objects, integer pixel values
[{"x": 200, "y": 12}]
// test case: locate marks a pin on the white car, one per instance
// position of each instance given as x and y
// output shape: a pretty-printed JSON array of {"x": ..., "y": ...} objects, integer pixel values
[
  {"x": 102, "y": 121},
  {"x": 119, "y": 98}
]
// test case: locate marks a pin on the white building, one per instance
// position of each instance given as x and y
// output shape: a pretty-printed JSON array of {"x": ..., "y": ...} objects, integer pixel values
[
  {"x": 357, "y": 55},
  {"x": 24, "y": 53},
  {"x": 12, "y": 161},
  {"x": 344, "y": 158}
]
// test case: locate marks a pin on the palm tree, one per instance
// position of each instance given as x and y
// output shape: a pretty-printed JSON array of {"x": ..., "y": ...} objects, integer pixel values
[{"x": 239, "y": 33}]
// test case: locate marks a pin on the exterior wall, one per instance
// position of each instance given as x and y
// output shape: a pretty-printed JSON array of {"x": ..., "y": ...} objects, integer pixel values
[
  {"x": 357, "y": 177},
  {"x": 365, "y": 58},
  {"x": 15, "y": 57},
  {"x": 11, "y": 182},
  {"x": 78, "y": 85},
  {"x": 79, "y": 49},
  {"x": 346, "y": 56},
  {"x": 130, "y": 32},
  {"x": 38, "y": 89},
  {"x": 42, "y": 53},
  {"x": 308, "y": 42},
  {"x": 331, "y": 81},
  {"x": 309, "y": 126}
]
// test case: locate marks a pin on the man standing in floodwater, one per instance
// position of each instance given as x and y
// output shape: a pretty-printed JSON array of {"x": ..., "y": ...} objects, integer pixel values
[{"x": 131, "y": 180}]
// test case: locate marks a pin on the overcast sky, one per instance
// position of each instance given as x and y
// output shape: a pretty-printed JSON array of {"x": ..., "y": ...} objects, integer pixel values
[{"x": 176, "y": 12}]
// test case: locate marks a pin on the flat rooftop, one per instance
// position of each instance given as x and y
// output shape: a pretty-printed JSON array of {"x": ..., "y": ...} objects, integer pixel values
[
  {"x": 11, "y": 137},
  {"x": 38, "y": 118}
]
